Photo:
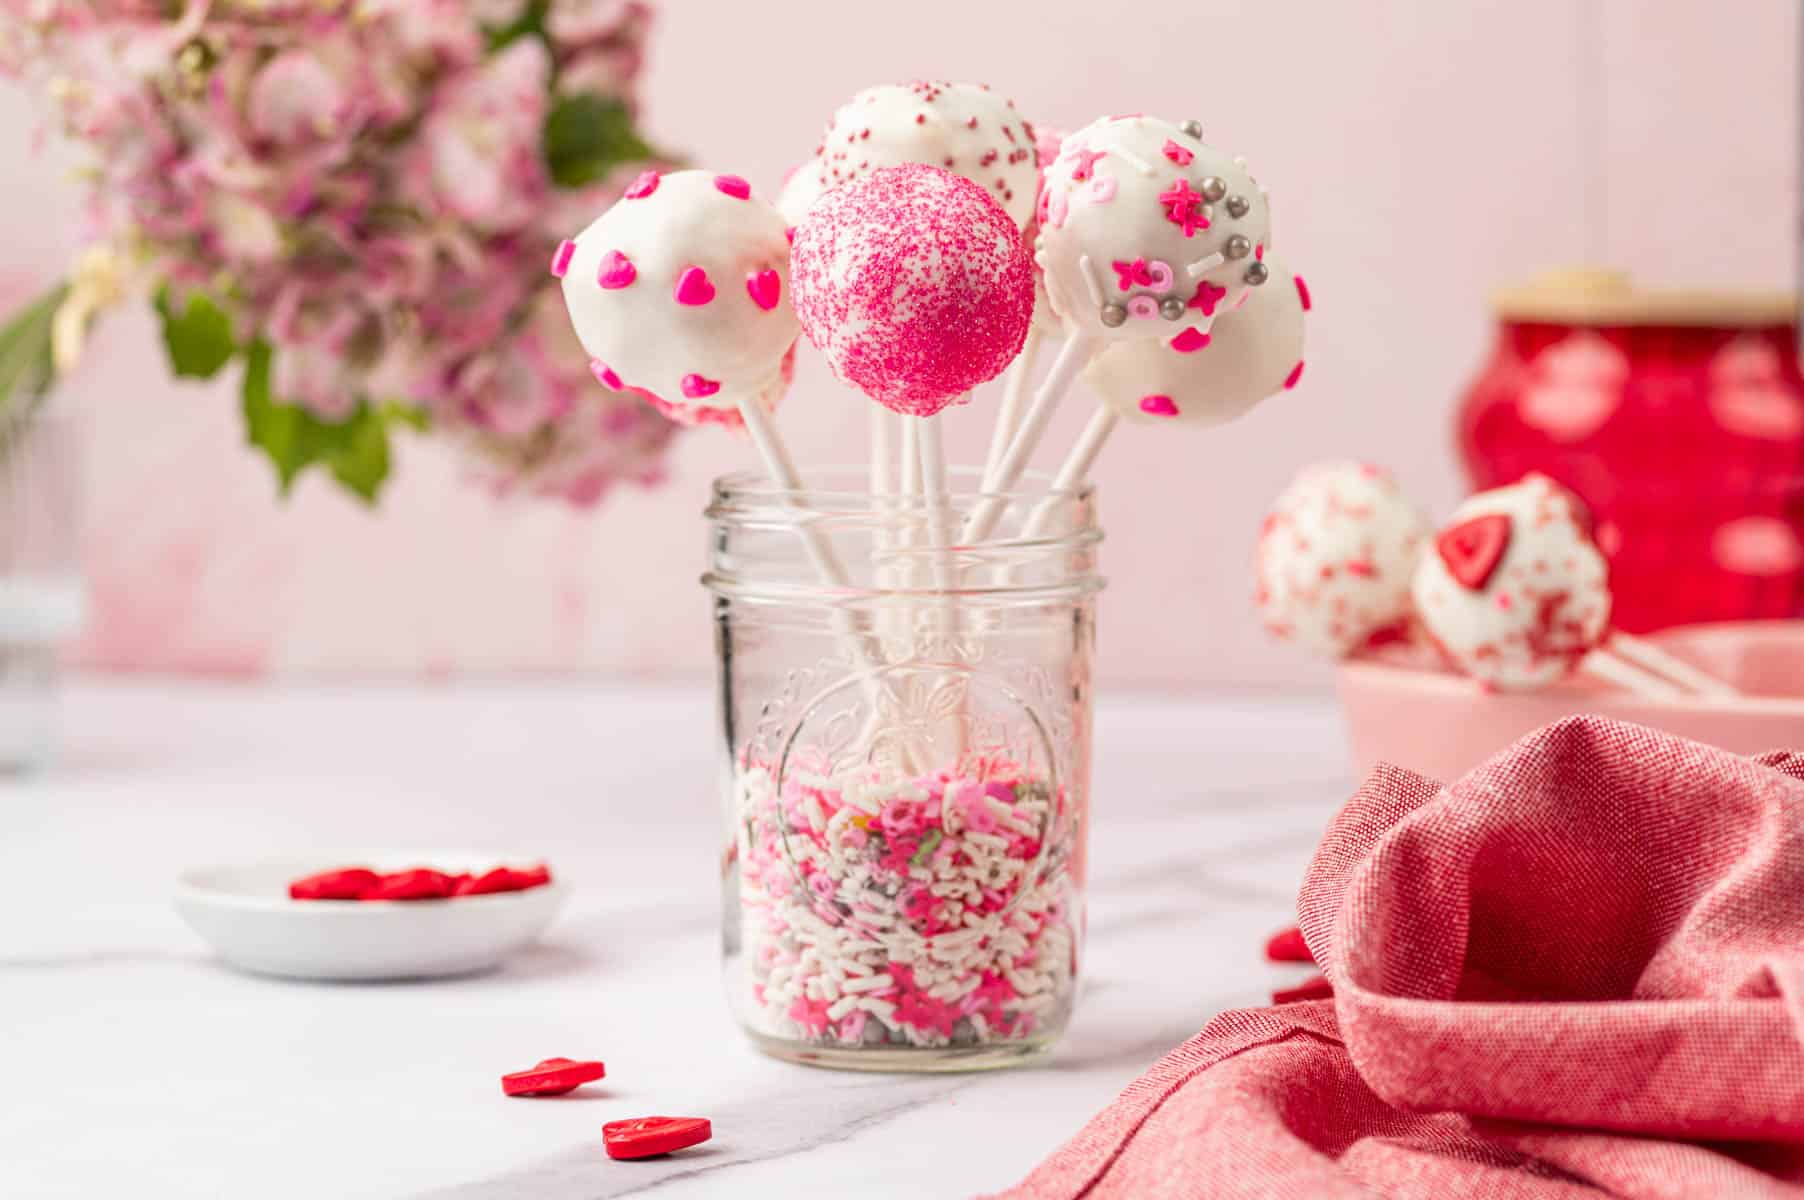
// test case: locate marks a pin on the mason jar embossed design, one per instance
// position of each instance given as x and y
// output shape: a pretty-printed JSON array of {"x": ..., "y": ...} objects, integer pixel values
[{"x": 905, "y": 770}]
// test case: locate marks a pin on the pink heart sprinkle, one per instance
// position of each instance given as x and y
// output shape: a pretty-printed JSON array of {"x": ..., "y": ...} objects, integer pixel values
[
  {"x": 765, "y": 288},
  {"x": 1192, "y": 339},
  {"x": 1158, "y": 406},
  {"x": 1296, "y": 373},
  {"x": 697, "y": 386},
  {"x": 1302, "y": 291},
  {"x": 789, "y": 235},
  {"x": 693, "y": 287},
  {"x": 560, "y": 261},
  {"x": 645, "y": 185},
  {"x": 1178, "y": 154},
  {"x": 604, "y": 375},
  {"x": 616, "y": 271},
  {"x": 733, "y": 186}
]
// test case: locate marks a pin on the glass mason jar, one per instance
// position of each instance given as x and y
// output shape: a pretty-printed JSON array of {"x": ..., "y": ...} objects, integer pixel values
[
  {"x": 905, "y": 770},
  {"x": 42, "y": 599}
]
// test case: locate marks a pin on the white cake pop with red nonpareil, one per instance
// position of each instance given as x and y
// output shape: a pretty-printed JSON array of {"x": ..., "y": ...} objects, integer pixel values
[
  {"x": 1336, "y": 556},
  {"x": 1195, "y": 378},
  {"x": 1145, "y": 230},
  {"x": 1514, "y": 590},
  {"x": 914, "y": 285},
  {"x": 681, "y": 289},
  {"x": 964, "y": 128}
]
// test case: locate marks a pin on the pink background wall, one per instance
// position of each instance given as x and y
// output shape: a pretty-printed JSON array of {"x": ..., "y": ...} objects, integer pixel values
[{"x": 1418, "y": 152}]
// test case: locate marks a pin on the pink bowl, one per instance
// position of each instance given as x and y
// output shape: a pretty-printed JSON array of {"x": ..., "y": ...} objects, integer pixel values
[{"x": 1441, "y": 724}]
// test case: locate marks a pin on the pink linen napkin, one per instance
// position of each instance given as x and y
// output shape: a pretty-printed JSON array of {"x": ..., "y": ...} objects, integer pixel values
[{"x": 1578, "y": 971}]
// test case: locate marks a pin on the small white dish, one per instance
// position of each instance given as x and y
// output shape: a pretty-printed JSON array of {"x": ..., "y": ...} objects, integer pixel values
[{"x": 243, "y": 911}]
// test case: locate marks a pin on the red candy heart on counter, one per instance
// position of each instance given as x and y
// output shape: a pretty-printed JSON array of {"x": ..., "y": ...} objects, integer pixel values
[
  {"x": 553, "y": 1077},
  {"x": 644, "y": 1137}
]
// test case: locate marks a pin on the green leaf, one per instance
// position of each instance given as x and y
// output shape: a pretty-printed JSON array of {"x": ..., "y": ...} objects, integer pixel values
[
  {"x": 588, "y": 135},
  {"x": 528, "y": 22},
  {"x": 27, "y": 368},
  {"x": 199, "y": 338},
  {"x": 354, "y": 450}
]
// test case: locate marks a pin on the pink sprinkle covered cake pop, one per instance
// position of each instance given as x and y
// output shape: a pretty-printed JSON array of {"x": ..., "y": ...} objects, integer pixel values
[
  {"x": 1336, "y": 556},
  {"x": 681, "y": 290},
  {"x": 1514, "y": 590},
  {"x": 1195, "y": 378},
  {"x": 1145, "y": 230},
  {"x": 964, "y": 128},
  {"x": 914, "y": 285}
]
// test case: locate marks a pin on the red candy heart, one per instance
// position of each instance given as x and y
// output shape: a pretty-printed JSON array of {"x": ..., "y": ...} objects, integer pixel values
[
  {"x": 697, "y": 387},
  {"x": 1472, "y": 549},
  {"x": 644, "y": 1137},
  {"x": 1312, "y": 989},
  {"x": 1287, "y": 945},
  {"x": 765, "y": 288},
  {"x": 421, "y": 883},
  {"x": 616, "y": 271},
  {"x": 502, "y": 879},
  {"x": 694, "y": 287},
  {"x": 346, "y": 883},
  {"x": 553, "y": 1077}
]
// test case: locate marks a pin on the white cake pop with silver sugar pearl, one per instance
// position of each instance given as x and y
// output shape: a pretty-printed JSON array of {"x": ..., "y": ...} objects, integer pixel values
[
  {"x": 1336, "y": 556},
  {"x": 964, "y": 128},
  {"x": 1145, "y": 230},
  {"x": 1514, "y": 590},
  {"x": 1195, "y": 378},
  {"x": 681, "y": 289}
]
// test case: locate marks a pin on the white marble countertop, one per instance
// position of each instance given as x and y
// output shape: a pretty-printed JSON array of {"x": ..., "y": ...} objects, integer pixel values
[{"x": 136, "y": 1065}]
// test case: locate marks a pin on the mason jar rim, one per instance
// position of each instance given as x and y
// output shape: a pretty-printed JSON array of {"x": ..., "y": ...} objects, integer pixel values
[{"x": 754, "y": 485}]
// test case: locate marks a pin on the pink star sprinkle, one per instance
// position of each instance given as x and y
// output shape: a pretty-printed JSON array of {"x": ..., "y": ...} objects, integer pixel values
[
  {"x": 1158, "y": 406},
  {"x": 645, "y": 185},
  {"x": 1192, "y": 339},
  {"x": 560, "y": 261},
  {"x": 1178, "y": 154},
  {"x": 1208, "y": 295},
  {"x": 1184, "y": 207},
  {"x": 1131, "y": 273},
  {"x": 734, "y": 186}
]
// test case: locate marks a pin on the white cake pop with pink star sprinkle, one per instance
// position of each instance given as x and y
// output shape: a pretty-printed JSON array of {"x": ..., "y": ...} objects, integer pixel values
[
  {"x": 1195, "y": 378},
  {"x": 964, "y": 128},
  {"x": 1145, "y": 230},
  {"x": 681, "y": 290},
  {"x": 1514, "y": 590},
  {"x": 1336, "y": 556}
]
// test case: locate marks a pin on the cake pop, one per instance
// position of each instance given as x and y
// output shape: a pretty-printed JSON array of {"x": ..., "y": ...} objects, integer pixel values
[
  {"x": 964, "y": 128},
  {"x": 1335, "y": 558},
  {"x": 1515, "y": 592},
  {"x": 1208, "y": 378},
  {"x": 1145, "y": 230},
  {"x": 681, "y": 290},
  {"x": 914, "y": 285}
]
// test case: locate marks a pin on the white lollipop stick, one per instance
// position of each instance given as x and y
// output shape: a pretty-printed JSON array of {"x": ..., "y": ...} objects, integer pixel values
[
  {"x": 1644, "y": 653},
  {"x": 1014, "y": 383},
  {"x": 1075, "y": 469},
  {"x": 939, "y": 504},
  {"x": 1073, "y": 355},
  {"x": 1628, "y": 676},
  {"x": 886, "y": 432}
]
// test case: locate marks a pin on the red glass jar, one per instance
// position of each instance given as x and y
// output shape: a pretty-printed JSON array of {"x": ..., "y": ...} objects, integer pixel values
[{"x": 1679, "y": 417}]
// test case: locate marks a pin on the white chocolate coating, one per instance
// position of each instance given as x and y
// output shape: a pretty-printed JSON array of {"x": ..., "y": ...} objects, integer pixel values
[
  {"x": 1209, "y": 378},
  {"x": 1129, "y": 242},
  {"x": 964, "y": 128},
  {"x": 1336, "y": 556},
  {"x": 703, "y": 316},
  {"x": 1544, "y": 605}
]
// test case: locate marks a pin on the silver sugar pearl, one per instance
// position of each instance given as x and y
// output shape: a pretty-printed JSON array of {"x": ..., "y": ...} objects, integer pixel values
[
  {"x": 1237, "y": 247},
  {"x": 1238, "y": 206},
  {"x": 1214, "y": 189},
  {"x": 1257, "y": 273},
  {"x": 1171, "y": 308},
  {"x": 1193, "y": 128},
  {"x": 1113, "y": 315}
]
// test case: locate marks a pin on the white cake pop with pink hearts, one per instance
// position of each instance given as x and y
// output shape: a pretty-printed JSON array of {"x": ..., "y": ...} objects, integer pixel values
[
  {"x": 681, "y": 290},
  {"x": 1336, "y": 556},
  {"x": 964, "y": 128},
  {"x": 1195, "y": 378},
  {"x": 1146, "y": 230},
  {"x": 1514, "y": 590}
]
